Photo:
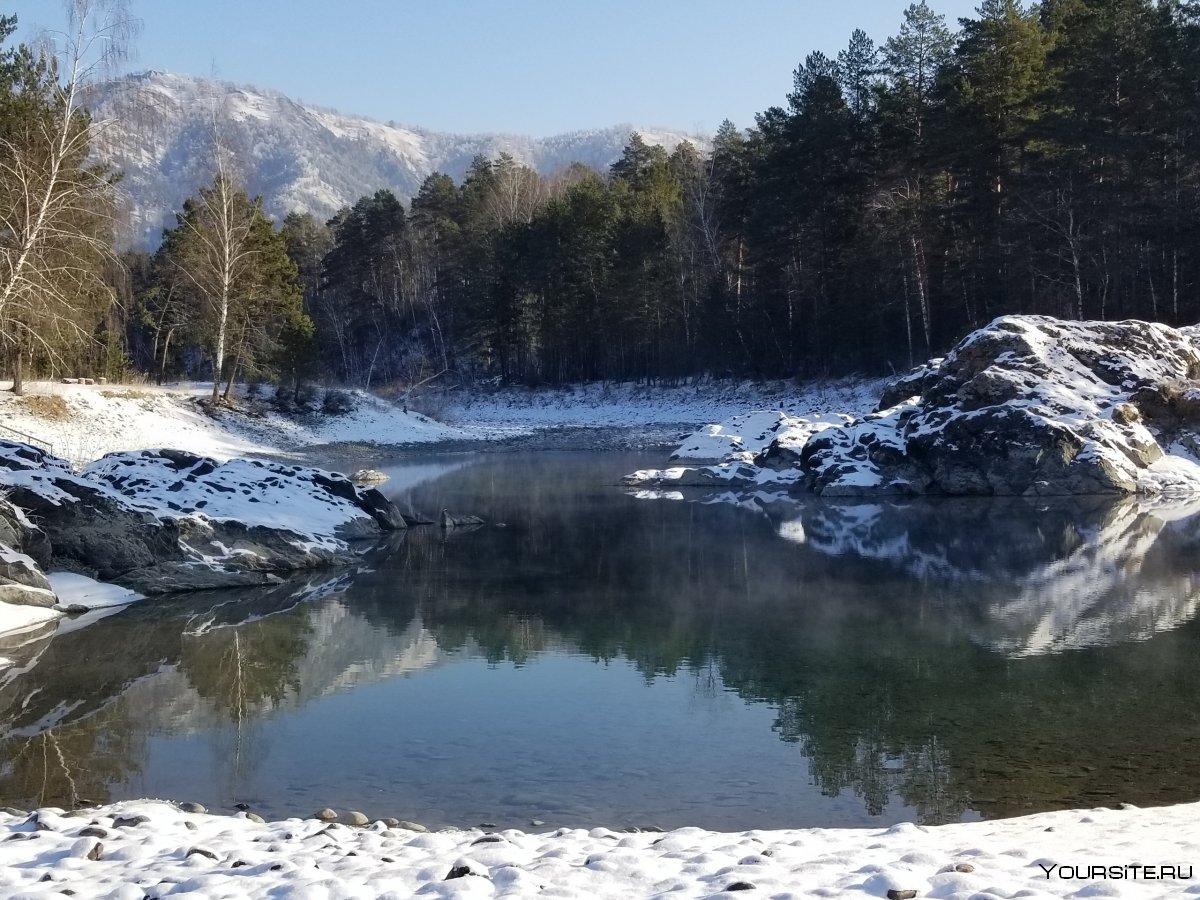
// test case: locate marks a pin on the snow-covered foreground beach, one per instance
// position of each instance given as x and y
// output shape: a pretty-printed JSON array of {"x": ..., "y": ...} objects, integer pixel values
[{"x": 152, "y": 849}]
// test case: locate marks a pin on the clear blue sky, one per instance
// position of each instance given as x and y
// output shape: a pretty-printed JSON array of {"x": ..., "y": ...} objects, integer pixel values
[{"x": 526, "y": 66}]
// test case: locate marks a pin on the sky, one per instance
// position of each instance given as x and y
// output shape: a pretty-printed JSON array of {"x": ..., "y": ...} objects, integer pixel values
[{"x": 537, "y": 67}]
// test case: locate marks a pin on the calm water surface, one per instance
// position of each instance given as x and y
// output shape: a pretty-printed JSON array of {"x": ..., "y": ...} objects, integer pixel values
[{"x": 605, "y": 659}]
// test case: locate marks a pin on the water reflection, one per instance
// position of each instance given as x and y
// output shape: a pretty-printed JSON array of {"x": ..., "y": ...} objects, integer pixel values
[{"x": 607, "y": 659}]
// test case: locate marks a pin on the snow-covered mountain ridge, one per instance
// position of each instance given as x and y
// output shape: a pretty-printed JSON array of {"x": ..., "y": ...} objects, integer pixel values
[{"x": 158, "y": 129}]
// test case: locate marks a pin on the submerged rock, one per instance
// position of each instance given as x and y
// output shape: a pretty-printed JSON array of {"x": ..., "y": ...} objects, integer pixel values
[
  {"x": 369, "y": 476},
  {"x": 448, "y": 521}
]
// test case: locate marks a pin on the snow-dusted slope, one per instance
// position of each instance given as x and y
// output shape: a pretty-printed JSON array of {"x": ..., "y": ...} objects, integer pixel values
[{"x": 157, "y": 128}]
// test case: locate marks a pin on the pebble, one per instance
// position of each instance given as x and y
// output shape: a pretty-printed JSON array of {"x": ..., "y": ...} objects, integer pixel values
[
  {"x": 740, "y": 886},
  {"x": 129, "y": 821},
  {"x": 894, "y": 894},
  {"x": 965, "y": 868},
  {"x": 190, "y": 807},
  {"x": 200, "y": 851},
  {"x": 326, "y": 815},
  {"x": 355, "y": 818},
  {"x": 93, "y": 831},
  {"x": 410, "y": 826}
]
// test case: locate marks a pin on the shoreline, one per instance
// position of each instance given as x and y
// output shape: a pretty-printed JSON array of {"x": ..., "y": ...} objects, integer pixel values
[{"x": 155, "y": 849}]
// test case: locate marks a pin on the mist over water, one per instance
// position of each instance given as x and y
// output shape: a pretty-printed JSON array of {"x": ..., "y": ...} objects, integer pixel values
[{"x": 603, "y": 659}]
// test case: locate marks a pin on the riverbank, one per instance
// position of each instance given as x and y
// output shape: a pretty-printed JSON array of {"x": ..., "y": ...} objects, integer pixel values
[
  {"x": 153, "y": 849},
  {"x": 84, "y": 422}
]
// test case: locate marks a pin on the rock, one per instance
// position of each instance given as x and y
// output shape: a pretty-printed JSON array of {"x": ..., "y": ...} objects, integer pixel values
[
  {"x": 162, "y": 520},
  {"x": 448, "y": 521},
  {"x": 894, "y": 894},
  {"x": 488, "y": 839},
  {"x": 93, "y": 831},
  {"x": 200, "y": 851},
  {"x": 355, "y": 818},
  {"x": 255, "y": 817},
  {"x": 389, "y": 822},
  {"x": 170, "y": 577},
  {"x": 190, "y": 807},
  {"x": 536, "y": 823},
  {"x": 96, "y": 853},
  {"x": 740, "y": 886},
  {"x": 1027, "y": 405},
  {"x": 465, "y": 867},
  {"x": 411, "y": 826},
  {"x": 130, "y": 821},
  {"x": 965, "y": 868},
  {"x": 326, "y": 815},
  {"x": 190, "y": 825},
  {"x": 369, "y": 476},
  {"x": 24, "y": 595}
]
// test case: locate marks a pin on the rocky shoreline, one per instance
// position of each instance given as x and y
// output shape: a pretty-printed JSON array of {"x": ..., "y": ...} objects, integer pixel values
[
  {"x": 160, "y": 521},
  {"x": 1027, "y": 406}
]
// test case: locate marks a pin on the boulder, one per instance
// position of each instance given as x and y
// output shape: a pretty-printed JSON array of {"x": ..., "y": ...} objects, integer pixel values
[
  {"x": 164, "y": 520},
  {"x": 1028, "y": 405}
]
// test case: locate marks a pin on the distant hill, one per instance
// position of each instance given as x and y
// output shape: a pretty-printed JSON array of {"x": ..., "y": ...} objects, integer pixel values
[{"x": 159, "y": 129}]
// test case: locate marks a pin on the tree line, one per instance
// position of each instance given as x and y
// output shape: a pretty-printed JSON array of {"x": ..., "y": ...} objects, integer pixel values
[{"x": 1037, "y": 158}]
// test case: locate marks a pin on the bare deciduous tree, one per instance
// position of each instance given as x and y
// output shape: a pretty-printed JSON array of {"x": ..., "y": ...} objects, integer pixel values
[{"x": 55, "y": 207}]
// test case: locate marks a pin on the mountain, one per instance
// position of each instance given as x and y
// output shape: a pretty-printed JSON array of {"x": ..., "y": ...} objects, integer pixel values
[{"x": 158, "y": 129}]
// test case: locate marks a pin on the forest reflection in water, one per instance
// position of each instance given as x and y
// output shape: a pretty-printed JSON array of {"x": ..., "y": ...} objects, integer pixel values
[{"x": 602, "y": 659}]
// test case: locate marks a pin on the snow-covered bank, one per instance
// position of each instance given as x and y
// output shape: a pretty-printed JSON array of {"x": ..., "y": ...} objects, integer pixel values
[
  {"x": 84, "y": 422},
  {"x": 518, "y": 410},
  {"x": 152, "y": 849}
]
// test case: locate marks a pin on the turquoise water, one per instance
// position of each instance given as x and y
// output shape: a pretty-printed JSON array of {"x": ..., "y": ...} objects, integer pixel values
[{"x": 603, "y": 659}]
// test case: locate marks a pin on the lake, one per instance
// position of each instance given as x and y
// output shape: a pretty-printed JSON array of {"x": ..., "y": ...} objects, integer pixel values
[{"x": 604, "y": 659}]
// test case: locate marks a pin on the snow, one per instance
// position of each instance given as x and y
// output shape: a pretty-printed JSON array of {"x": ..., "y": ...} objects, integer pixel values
[
  {"x": 75, "y": 590},
  {"x": 253, "y": 492},
  {"x": 102, "y": 419},
  {"x": 516, "y": 410},
  {"x": 177, "y": 854},
  {"x": 16, "y": 618},
  {"x": 745, "y": 436}
]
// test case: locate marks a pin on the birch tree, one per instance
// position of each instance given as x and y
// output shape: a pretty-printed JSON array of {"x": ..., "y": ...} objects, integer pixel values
[
  {"x": 242, "y": 286},
  {"x": 55, "y": 207}
]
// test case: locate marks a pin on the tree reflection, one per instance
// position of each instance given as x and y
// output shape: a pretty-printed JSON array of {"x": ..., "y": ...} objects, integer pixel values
[{"x": 995, "y": 656}]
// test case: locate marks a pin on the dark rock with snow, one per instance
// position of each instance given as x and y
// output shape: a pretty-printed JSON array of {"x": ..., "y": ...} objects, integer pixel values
[
  {"x": 1027, "y": 405},
  {"x": 166, "y": 520},
  {"x": 24, "y": 551}
]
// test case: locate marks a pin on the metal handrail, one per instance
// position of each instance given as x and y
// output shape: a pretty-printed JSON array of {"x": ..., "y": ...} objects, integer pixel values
[{"x": 29, "y": 439}]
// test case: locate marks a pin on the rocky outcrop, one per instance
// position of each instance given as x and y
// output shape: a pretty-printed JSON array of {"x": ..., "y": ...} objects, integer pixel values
[
  {"x": 1028, "y": 406},
  {"x": 164, "y": 520}
]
